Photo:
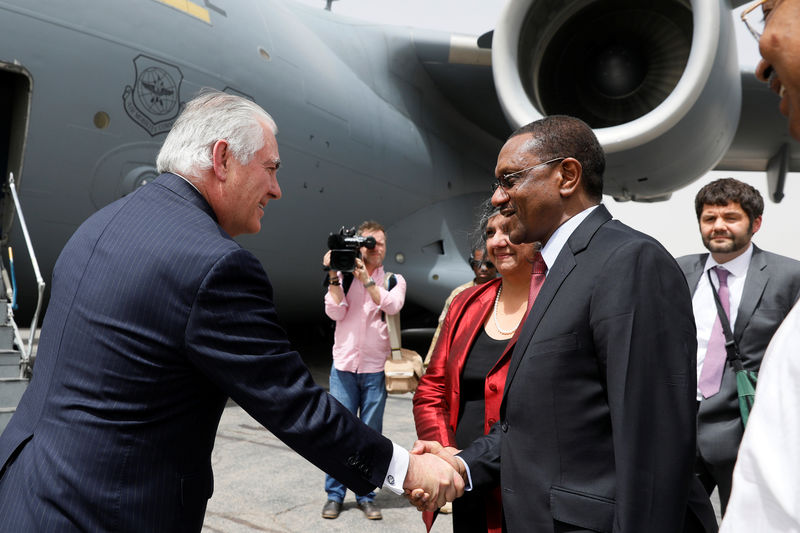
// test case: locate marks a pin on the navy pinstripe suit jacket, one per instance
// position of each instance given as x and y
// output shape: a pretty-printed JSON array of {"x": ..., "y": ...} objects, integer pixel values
[{"x": 156, "y": 317}]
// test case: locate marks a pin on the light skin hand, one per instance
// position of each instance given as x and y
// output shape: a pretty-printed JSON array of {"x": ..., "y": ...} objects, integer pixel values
[
  {"x": 360, "y": 271},
  {"x": 335, "y": 290},
  {"x": 419, "y": 497},
  {"x": 445, "y": 452},
  {"x": 363, "y": 276},
  {"x": 433, "y": 480}
]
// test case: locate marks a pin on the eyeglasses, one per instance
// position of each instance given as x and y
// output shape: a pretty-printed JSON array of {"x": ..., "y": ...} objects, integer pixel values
[
  {"x": 477, "y": 264},
  {"x": 507, "y": 181},
  {"x": 755, "y": 25}
]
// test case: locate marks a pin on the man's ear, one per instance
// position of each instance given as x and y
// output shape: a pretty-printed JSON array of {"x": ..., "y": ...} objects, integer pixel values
[
  {"x": 571, "y": 174},
  {"x": 221, "y": 155},
  {"x": 756, "y": 224}
]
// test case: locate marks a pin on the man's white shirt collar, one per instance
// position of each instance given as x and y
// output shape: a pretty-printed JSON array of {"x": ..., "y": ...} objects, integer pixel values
[
  {"x": 560, "y": 236},
  {"x": 187, "y": 180},
  {"x": 737, "y": 266}
]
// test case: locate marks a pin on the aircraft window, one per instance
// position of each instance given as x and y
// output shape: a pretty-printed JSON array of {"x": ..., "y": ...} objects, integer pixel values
[{"x": 101, "y": 120}]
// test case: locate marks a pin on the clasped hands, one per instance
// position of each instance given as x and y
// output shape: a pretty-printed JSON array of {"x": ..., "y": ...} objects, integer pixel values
[{"x": 434, "y": 476}]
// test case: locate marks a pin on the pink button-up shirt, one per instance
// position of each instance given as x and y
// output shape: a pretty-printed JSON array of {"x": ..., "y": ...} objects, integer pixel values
[{"x": 361, "y": 340}]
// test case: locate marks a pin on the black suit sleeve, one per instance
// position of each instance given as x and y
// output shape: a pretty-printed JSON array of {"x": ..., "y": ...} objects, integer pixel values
[
  {"x": 234, "y": 338},
  {"x": 483, "y": 458}
]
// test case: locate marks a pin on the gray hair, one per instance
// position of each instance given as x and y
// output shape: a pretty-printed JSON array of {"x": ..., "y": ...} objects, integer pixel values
[
  {"x": 486, "y": 211},
  {"x": 206, "y": 119}
]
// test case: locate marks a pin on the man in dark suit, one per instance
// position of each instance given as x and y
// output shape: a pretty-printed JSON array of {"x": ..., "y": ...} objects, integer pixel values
[
  {"x": 761, "y": 288},
  {"x": 156, "y": 317},
  {"x": 596, "y": 429}
]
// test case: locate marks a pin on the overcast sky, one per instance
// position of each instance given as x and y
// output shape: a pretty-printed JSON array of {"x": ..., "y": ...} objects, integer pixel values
[{"x": 672, "y": 222}]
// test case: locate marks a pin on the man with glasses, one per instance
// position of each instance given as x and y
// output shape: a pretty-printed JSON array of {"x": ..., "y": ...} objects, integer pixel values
[
  {"x": 764, "y": 495},
  {"x": 484, "y": 271},
  {"x": 597, "y": 424}
]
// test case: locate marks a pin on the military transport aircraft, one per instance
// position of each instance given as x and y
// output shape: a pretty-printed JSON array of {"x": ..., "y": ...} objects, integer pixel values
[{"x": 392, "y": 123}]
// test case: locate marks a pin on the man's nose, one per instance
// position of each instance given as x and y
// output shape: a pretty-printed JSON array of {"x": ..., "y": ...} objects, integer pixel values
[
  {"x": 764, "y": 71},
  {"x": 499, "y": 197},
  {"x": 275, "y": 189}
]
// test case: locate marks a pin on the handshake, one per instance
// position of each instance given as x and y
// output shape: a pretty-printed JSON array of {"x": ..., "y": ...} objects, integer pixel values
[{"x": 434, "y": 476}]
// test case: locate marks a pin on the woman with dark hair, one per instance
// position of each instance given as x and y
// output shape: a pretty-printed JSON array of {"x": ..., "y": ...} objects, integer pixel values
[{"x": 458, "y": 398}]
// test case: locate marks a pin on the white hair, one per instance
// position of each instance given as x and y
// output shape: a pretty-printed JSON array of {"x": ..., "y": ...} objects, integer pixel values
[{"x": 206, "y": 119}]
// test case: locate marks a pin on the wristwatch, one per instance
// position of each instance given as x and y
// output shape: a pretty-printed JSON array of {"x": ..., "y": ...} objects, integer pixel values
[{"x": 369, "y": 284}]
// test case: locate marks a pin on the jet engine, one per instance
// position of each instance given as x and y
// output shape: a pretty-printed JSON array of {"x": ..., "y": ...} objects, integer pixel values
[{"x": 657, "y": 80}]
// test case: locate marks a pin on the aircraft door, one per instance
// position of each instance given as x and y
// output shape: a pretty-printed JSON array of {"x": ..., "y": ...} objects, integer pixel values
[{"x": 15, "y": 100}]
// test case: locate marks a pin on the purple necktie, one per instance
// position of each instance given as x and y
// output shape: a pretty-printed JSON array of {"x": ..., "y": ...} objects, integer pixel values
[{"x": 714, "y": 363}]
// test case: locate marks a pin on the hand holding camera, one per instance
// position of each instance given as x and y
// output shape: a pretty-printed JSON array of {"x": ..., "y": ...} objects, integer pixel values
[{"x": 344, "y": 249}]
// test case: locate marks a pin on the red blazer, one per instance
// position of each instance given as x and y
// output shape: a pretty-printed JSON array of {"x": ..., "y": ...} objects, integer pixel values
[{"x": 436, "y": 401}]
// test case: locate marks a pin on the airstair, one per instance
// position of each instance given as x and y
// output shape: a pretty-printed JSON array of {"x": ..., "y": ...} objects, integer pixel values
[
  {"x": 16, "y": 356},
  {"x": 14, "y": 375}
]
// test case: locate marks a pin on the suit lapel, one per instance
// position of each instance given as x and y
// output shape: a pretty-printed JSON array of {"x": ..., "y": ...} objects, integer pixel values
[
  {"x": 556, "y": 275},
  {"x": 754, "y": 285},
  {"x": 693, "y": 276}
]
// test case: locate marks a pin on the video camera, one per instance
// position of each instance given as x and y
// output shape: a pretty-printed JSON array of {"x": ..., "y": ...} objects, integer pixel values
[{"x": 344, "y": 247}]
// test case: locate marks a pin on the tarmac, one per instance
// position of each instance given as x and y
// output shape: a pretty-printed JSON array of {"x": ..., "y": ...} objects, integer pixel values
[{"x": 261, "y": 485}]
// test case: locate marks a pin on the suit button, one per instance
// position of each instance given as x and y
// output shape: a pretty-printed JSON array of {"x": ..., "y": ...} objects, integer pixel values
[
  {"x": 493, "y": 387},
  {"x": 492, "y": 422},
  {"x": 352, "y": 461},
  {"x": 504, "y": 427}
]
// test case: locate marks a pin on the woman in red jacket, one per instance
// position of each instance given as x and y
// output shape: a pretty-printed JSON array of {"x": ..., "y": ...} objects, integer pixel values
[{"x": 458, "y": 398}]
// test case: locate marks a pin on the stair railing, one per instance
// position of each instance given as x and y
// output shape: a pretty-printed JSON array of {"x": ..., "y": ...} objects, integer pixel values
[{"x": 27, "y": 350}]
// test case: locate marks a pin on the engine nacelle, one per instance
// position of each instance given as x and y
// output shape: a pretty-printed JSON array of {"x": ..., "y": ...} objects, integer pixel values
[{"x": 658, "y": 81}]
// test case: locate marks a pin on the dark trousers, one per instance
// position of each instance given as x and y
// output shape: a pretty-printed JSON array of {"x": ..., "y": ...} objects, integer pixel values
[{"x": 716, "y": 475}]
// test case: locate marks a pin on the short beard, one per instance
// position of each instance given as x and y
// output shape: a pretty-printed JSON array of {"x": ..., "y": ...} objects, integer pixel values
[{"x": 729, "y": 247}]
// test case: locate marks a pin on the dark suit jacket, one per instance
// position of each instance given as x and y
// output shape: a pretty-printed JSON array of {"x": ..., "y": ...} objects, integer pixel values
[
  {"x": 597, "y": 428},
  {"x": 771, "y": 288},
  {"x": 156, "y": 317}
]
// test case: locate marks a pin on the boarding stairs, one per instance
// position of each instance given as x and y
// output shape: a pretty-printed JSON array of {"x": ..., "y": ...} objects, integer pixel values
[
  {"x": 16, "y": 355},
  {"x": 14, "y": 376}
]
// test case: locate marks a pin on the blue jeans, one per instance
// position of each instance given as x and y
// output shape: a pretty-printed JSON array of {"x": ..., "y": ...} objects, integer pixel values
[{"x": 365, "y": 396}]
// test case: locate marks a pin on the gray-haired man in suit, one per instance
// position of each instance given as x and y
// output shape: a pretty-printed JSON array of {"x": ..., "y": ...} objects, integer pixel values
[
  {"x": 156, "y": 317},
  {"x": 761, "y": 288}
]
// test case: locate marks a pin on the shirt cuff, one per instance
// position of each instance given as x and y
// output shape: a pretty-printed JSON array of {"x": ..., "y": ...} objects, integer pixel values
[
  {"x": 468, "y": 484},
  {"x": 398, "y": 468}
]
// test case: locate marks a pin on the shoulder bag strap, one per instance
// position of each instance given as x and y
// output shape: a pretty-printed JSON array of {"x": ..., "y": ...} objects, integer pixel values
[{"x": 393, "y": 322}]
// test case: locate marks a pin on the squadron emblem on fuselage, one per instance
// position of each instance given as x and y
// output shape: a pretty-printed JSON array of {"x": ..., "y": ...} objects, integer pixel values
[{"x": 153, "y": 101}]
